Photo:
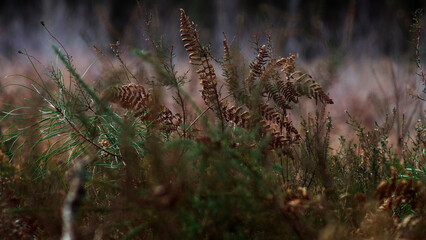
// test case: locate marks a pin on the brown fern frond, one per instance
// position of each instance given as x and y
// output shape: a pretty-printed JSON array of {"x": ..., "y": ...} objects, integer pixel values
[
  {"x": 290, "y": 129},
  {"x": 324, "y": 98},
  {"x": 134, "y": 97},
  {"x": 287, "y": 90},
  {"x": 226, "y": 51},
  {"x": 199, "y": 56},
  {"x": 257, "y": 67},
  {"x": 277, "y": 139},
  {"x": 280, "y": 62},
  {"x": 242, "y": 118},
  {"x": 189, "y": 35},
  {"x": 305, "y": 85},
  {"x": 168, "y": 120},
  {"x": 289, "y": 65},
  {"x": 208, "y": 82},
  {"x": 270, "y": 114},
  {"x": 284, "y": 88},
  {"x": 267, "y": 80},
  {"x": 236, "y": 115},
  {"x": 258, "y": 64}
]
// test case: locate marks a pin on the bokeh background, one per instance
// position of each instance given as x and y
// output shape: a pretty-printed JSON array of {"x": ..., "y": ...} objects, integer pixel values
[{"x": 377, "y": 27}]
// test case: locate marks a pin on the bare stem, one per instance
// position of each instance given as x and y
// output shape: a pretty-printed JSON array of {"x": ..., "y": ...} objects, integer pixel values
[{"x": 84, "y": 137}]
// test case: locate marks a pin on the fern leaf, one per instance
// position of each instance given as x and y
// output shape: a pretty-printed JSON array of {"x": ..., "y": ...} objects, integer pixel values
[
  {"x": 270, "y": 114},
  {"x": 277, "y": 139},
  {"x": 236, "y": 115},
  {"x": 305, "y": 85},
  {"x": 134, "y": 97},
  {"x": 290, "y": 129},
  {"x": 289, "y": 65},
  {"x": 199, "y": 57},
  {"x": 268, "y": 80},
  {"x": 257, "y": 67},
  {"x": 287, "y": 90},
  {"x": 242, "y": 118}
]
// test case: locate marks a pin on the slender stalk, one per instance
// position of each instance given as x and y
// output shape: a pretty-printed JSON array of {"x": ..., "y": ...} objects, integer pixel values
[{"x": 86, "y": 138}]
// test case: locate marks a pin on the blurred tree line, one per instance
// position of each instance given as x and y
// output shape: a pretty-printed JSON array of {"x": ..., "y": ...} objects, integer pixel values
[{"x": 390, "y": 19}]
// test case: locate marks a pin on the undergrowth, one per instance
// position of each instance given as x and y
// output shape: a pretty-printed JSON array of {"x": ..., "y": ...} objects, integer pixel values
[{"x": 119, "y": 162}]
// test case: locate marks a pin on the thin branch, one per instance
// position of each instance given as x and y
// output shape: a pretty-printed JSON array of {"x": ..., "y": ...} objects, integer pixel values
[
  {"x": 73, "y": 199},
  {"x": 205, "y": 110},
  {"x": 48, "y": 31},
  {"x": 181, "y": 102},
  {"x": 115, "y": 48},
  {"x": 84, "y": 137}
]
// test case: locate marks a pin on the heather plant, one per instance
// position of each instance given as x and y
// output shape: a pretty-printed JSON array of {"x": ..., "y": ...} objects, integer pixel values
[{"x": 120, "y": 162}]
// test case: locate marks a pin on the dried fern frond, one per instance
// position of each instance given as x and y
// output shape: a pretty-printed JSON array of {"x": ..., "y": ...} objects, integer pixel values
[
  {"x": 258, "y": 64},
  {"x": 289, "y": 65},
  {"x": 199, "y": 57},
  {"x": 305, "y": 85},
  {"x": 281, "y": 93},
  {"x": 268, "y": 81},
  {"x": 290, "y": 129},
  {"x": 131, "y": 96},
  {"x": 236, "y": 115},
  {"x": 134, "y": 97},
  {"x": 287, "y": 90},
  {"x": 394, "y": 194},
  {"x": 226, "y": 51},
  {"x": 242, "y": 118},
  {"x": 277, "y": 139},
  {"x": 270, "y": 114},
  {"x": 257, "y": 67},
  {"x": 168, "y": 120},
  {"x": 190, "y": 37}
]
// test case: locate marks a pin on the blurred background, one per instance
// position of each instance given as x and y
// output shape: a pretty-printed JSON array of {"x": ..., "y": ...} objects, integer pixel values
[
  {"x": 310, "y": 28},
  {"x": 360, "y": 51}
]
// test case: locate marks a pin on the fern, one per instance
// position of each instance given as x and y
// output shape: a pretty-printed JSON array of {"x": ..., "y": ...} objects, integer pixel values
[
  {"x": 199, "y": 57},
  {"x": 264, "y": 75},
  {"x": 236, "y": 115},
  {"x": 134, "y": 97},
  {"x": 305, "y": 85},
  {"x": 268, "y": 80},
  {"x": 257, "y": 67}
]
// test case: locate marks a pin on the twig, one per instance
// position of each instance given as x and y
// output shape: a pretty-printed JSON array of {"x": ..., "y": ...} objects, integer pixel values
[
  {"x": 84, "y": 137},
  {"x": 169, "y": 68},
  {"x": 115, "y": 48},
  {"x": 48, "y": 31},
  {"x": 70, "y": 205},
  {"x": 73, "y": 199},
  {"x": 205, "y": 110},
  {"x": 417, "y": 29},
  {"x": 181, "y": 102}
]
